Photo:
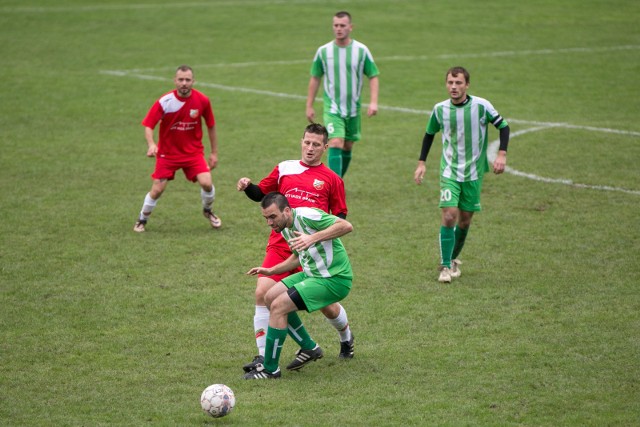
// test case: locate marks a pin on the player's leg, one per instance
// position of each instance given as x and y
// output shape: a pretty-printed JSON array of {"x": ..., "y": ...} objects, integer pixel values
[
  {"x": 198, "y": 170},
  {"x": 352, "y": 134},
  {"x": 149, "y": 204},
  {"x": 336, "y": 128},
  {"x": 337, "y": 317},
  {"x": 449, "y": 199},
  {"x": 280, "y": 305},
  {"x": 469, "y": 203},
  {"x": 323, "y": 294}
]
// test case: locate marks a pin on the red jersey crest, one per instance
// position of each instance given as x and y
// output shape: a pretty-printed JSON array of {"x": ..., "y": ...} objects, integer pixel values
[
  {"x": 193, "y": 113},
  {"x": 317, "y": 184}
]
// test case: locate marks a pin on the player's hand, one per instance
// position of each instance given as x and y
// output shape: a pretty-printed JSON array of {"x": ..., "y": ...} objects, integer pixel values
[
  {"x": 243, "y": 183},
  {"x": 301, "y": 242},
  {"x": 311, "y": 114},
  {"x": 500, "y": 162},
  {"x": 372, "y": 110},
  {"x": 257, "y": 270},
  {"x": 418, "y": 175},
  {"x": 152, "y": 150},
  {"x": 213, "y": 160}
]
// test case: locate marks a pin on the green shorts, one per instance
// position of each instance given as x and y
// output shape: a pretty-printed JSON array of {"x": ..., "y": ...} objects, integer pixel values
[
  {"x": 347, "y": 128},
  {"x": 318, "y": 292},
  {"x": 462, "y": 195}
]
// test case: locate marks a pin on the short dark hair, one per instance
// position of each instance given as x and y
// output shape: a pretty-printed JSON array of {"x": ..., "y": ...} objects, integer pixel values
[
  {"x": 275, "y": 198},
  {"x": 317, "y": 129},
  {"x": 342, "y": 14},
  {"x": 184, "y": 67},
  {"x": 454, "y": 71}
]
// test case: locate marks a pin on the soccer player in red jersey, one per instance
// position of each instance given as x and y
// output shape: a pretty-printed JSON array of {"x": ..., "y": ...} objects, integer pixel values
[
  {"x": 306, "y": 183},
  {"x": 180, "y": 113}
]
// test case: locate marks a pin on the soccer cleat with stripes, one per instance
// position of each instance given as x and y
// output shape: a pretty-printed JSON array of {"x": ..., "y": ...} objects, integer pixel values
[
  {"x": 305, "y": 356},
  {"x": 260, "y": 373},
  {"x": 213, "y": 219},
  {"x": 455, "y": 270},
  {"x": 346, "y": 349}
]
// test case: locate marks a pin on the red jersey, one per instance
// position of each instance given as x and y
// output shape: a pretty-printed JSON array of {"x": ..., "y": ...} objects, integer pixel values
[
  {"x": 180, "y": 135},
  {"x": 305, "y": 186}
]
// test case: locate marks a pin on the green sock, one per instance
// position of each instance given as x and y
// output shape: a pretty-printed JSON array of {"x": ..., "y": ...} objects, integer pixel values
[
  {"x": 346, "y": 159},
  {"x": 447, "y": 239},
  {"x": 298, "y": 332},
  {"x": 275, "y": 341},
  {"x": 335, "y": 160},
  {"x": 460, "y": 236}
]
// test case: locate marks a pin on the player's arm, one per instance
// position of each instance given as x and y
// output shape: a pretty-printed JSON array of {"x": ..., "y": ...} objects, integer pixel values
[
  {"x": 421, "y": 169},
  {"x": 251, "y": 190},
  {"x": 338, "y": 229},
  {"x": 213, "y": 142},
  {"x": 501, "y": 159},
  {"x": 287, "y": 265},
  {"x": 374, "y": 88},
  {"x": 314, "y": 84},
  {"x": 152, "y": 148}
]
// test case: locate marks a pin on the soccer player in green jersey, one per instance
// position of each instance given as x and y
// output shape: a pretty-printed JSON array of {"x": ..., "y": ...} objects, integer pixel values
[
  {"x": 343, "y": 62},
  {"x": 314, "y": 238},
  {"x": 463, "y": 120}
]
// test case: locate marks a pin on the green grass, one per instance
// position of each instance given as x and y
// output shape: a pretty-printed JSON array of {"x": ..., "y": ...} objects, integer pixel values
[{"x": 100, "y": 326}]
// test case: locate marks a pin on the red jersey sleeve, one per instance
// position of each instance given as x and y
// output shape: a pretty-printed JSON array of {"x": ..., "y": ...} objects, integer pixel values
[
  {"x": 270, "y": 182},
  {"x": 337, "y": 198},
  {"x": 153, "y": 116}
]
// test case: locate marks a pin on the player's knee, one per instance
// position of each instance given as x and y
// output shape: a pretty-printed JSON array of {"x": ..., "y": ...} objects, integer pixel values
[{"x": 331, "y": 311}]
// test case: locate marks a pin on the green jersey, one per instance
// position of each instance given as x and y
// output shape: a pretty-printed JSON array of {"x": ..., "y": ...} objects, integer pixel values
[
  {"x": 322, "y": 259},
  {"x": 464, "y": 136},
  {"x": 343, "y": 69}
]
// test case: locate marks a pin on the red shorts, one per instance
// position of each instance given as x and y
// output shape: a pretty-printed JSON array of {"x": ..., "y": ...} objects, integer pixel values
[
  {"x": 275, "y": 256},
  {"x": 166, "y": 169}
]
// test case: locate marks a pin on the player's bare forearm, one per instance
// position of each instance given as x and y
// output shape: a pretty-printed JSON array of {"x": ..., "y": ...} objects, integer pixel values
[
  {"x": 213, "y": 143},
  {"x": 286, "y": 265},
  {"x": 374, "y": 88},
  {"x": 337, "y": 229},
  {"x": 314, "y": 84}
]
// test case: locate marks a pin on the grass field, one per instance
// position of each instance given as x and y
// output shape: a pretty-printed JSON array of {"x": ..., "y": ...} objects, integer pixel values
[{"x": 102, "y": 326}]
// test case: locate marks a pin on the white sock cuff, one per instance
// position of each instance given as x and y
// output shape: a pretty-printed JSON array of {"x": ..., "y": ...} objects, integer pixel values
[
  {"x": 148, "y": 201},
  {"x": 261, "y": 310},
  {"x": 341, "y": 321}
]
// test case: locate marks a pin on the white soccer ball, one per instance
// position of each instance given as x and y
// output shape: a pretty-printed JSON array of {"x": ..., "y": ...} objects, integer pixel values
[{"x": 217, "y": 400}]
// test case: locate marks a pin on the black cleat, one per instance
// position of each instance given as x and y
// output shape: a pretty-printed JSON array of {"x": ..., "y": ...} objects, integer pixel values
[
  {"x": 305, "y": 356},
  {"x": 258, "y": 360},
  {"x": 260, "y": 373},
  {"x": 346, "y": 349}
]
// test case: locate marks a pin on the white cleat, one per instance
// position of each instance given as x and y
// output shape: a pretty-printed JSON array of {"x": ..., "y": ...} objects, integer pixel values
[{"x": 445, "y": 275}]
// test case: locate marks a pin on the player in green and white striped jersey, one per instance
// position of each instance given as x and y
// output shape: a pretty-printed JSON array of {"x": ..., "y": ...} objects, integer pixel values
[
  {"x": 343, "y": 62},
  {"x": 314, "y": 238},
  {"x": 463, "y": 120}
]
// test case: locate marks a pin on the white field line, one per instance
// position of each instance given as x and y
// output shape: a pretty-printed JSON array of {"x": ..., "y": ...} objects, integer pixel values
[
  {"x": 493, "y": 150},
  {"x": 493, "y": 147},
  {"x": 408, "y": 58}
]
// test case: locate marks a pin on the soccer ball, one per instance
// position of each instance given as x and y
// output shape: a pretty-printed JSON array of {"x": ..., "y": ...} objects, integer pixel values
[{"x": 217, "y": 400}]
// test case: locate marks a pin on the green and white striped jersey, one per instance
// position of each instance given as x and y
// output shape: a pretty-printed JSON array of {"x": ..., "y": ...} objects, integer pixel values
[
  {"x": 343, "y": 69},
  {"x": 323, "y": 259},
  {"x": 464, "y": 136}
]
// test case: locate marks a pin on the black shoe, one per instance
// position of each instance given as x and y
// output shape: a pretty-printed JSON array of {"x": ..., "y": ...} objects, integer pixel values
[
  {"x": 252, "y": 365},
  {"x": 260, "y": 373},
  {"x": 346, "y": 349},
  {"x": 305, "y": 356}
]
